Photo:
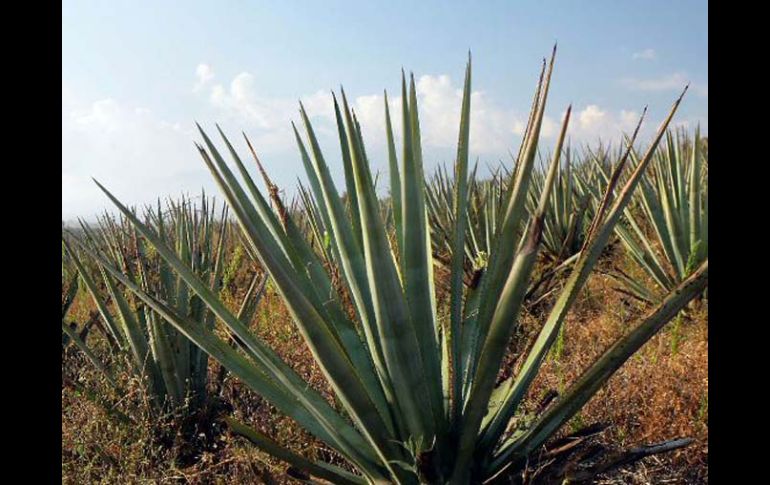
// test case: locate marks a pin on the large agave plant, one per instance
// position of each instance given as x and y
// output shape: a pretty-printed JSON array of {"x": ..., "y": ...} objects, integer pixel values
[
  {"x": 667, "y": 234},
  {"x": 173, "y": 369},
  {"x": 416, "y": 384}
]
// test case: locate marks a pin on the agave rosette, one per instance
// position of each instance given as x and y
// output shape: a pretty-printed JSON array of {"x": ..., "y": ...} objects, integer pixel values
[{"x": 418, "y": 395}]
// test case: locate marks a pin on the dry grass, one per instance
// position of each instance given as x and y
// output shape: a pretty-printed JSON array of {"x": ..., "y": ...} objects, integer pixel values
[{"x": 660, "y": 393}]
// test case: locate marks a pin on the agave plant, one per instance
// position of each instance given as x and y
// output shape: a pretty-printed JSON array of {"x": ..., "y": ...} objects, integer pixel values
[
  {"x": 484, "y": 206},
  {"x": 72, "y": 336},
  {"x": 439, "y": 203},
  {"x": 72, "y": 289},
  {"x": 69, "y": 289},
  {"x": 416, "y": 384},
  {"x": 173, "y": 369},
  {"x": 566, "y": 219},
  {"x": 667, "y": 234}
]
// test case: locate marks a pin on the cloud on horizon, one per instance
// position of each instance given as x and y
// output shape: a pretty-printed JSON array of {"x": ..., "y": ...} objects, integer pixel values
[{"x": 141, "y": 156}]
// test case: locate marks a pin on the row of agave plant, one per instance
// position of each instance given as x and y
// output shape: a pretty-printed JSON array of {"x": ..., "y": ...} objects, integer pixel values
[
  {"x": 172, "y": 370},
  {"x": 667, "y": 234},
  {"x": 664, "y": 230},
  {"x": 416, "y": 378}
]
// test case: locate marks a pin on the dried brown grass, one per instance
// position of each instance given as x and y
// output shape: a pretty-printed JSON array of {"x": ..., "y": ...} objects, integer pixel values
[{"x": 660, "y": 393}]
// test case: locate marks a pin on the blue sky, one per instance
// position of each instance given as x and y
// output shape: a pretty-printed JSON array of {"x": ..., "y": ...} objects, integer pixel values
[{"x": 136, "y": 75}]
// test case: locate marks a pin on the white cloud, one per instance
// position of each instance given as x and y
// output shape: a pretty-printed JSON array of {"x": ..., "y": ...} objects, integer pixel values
[
  {"x": 270, "y": 115},
  {"x": 672, "y": 82},
  {"x": 593, "y": 123},
  {"x": 646, "y": 54},
  {"x": 204, "y": 74},
  {"x": 591, "y": 117},
  {"x": 141, "y": 156},
  {"x": 495, "y": 130},
  {"x": 267, "y": 119},
  {"x": 130, "y": 150}
]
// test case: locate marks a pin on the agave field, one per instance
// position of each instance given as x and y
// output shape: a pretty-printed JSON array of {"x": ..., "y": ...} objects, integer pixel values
[{"x": 463, "y": 329}]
